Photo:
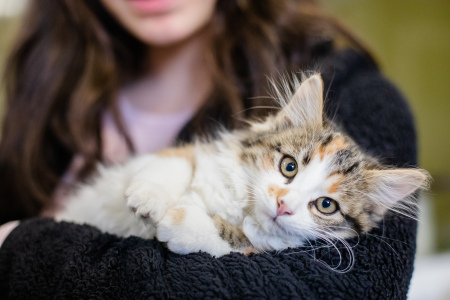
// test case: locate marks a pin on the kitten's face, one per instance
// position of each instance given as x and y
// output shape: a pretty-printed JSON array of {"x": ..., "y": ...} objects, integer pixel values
[{"x": 310, "y": 181}]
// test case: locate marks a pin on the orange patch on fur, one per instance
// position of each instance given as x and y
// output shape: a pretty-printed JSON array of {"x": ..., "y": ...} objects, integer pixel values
[
  {"x": 178, "y": 214},
  {"x": 277, "y": 192},
  {"x": 185, "y": 152},
  {"x": 250, "y": 250},
  {"x": 334, "y": 187},
  {"x": 333, "y": 147}
]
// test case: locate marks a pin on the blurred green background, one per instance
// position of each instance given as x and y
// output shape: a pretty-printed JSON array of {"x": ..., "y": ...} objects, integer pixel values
[{"x": 411, "y": 40}]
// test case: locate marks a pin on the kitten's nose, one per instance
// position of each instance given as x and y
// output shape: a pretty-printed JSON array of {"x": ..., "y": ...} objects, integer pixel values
[{"x": 283, "y": 209}]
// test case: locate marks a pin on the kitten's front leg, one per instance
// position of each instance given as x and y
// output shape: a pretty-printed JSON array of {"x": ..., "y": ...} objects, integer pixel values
[
  {"x": 157, "y": 187},
  {"x": 189, "y": 229}
]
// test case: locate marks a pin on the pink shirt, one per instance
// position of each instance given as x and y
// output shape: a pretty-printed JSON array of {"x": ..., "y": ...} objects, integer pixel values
[{"x": 149, "y": 132}]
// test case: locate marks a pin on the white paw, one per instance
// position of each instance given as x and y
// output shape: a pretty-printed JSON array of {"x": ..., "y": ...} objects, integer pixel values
[
  {"x": 188, "y": 229},
  {"x": 148, "y": 201}
]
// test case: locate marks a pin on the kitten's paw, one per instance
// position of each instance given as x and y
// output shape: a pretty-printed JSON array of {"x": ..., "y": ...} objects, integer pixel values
[
  {"x": 188, "y": 229},
  {"x": 149, "y": 202},
  {"x": 250, "y": 250}
]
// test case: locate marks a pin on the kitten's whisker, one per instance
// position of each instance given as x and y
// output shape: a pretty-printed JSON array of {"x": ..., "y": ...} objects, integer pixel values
[
  {"x": 255, "y": 107},
  {"x": 394, "y": 240},
  {"x": 404, "y": 210},
  {"x": 385, "y": 243},
  {"x": 346, "y": 246},
  {"x": 346, "y": 228}
]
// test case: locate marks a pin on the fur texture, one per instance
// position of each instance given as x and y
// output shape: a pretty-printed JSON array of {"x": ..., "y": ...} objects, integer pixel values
[{"x": 287, "y": 179}]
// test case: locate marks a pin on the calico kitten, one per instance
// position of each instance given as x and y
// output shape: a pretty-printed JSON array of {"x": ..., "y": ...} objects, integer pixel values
[{"x": 287, "y": 179}]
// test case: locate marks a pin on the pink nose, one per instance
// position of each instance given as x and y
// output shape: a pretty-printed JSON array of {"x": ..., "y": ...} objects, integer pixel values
[{"x": 283, "y": 209}]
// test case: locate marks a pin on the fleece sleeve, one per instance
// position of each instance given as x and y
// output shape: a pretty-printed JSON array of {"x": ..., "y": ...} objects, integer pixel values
[{"x": 43, "y": 259}]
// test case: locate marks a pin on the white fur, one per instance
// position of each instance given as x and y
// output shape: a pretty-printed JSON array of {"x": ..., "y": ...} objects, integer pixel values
[{"x": 151, "y": 185}]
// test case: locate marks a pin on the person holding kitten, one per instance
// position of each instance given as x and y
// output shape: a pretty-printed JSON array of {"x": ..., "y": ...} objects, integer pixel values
[{"x": 101, "y": 81}]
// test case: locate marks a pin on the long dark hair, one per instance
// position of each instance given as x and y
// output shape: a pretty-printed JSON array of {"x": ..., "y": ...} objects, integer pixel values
[{"x": 71, "y": 56}]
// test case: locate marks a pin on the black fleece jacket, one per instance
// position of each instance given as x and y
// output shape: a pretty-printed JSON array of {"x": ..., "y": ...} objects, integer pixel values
[{"x": 42, "y": 259}]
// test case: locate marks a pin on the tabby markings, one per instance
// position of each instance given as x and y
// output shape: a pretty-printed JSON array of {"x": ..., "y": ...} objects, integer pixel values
[
  {"x": 232, "y": 234},
  {"x": 267, "y": 162}
]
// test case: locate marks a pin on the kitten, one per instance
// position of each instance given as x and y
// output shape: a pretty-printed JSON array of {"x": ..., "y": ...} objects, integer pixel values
[{"x": 289, "y": 178}]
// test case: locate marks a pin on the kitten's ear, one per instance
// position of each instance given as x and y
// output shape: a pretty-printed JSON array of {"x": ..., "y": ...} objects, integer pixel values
[
  {"x": 305, "y": 107},
  {"x": 388, "y": 187}
]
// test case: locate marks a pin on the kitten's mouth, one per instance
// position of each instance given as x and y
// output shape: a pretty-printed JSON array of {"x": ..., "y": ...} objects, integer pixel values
[
  {"x": 276, "y": 220},
  {"x": 277, "y": 217},
  {"x": 279, "y": 226}
]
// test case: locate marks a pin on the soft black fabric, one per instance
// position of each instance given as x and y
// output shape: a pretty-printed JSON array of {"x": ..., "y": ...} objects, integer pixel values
[{"x": 42, "y": 259}]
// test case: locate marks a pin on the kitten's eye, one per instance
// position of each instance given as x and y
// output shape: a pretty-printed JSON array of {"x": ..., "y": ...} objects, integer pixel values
[
  {"x": 288, "y": 167},
  {"x": 326, "y": 205}
]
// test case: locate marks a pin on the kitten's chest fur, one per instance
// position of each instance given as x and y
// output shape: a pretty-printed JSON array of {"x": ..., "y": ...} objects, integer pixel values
[{"x": 220, "y": 180}]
